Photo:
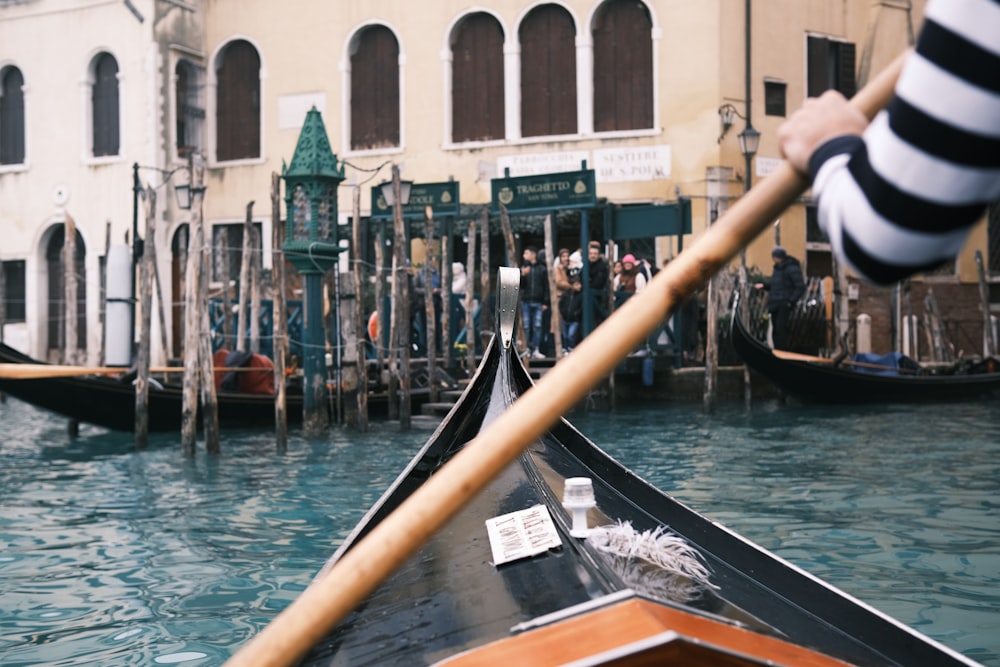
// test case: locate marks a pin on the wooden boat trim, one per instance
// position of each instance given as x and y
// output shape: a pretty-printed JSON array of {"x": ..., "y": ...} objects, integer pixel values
[{"x": 618, "y": 633}]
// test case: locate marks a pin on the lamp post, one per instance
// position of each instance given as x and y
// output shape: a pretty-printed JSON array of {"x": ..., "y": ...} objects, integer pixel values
[
  {"x": 396, "y": 193},
  {"x": 121, "y": 297},
  {"x": 311, "y": 182}
]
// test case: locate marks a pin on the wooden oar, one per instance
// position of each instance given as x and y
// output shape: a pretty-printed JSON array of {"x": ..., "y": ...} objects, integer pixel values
[
  {"x": 798, "y": 356},
  {"x": 43, "y": 371},
  {"x": 318, "y": 609}
]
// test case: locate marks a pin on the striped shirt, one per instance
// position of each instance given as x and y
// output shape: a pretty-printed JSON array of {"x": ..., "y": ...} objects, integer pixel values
[{"x": 902, "y": 198}]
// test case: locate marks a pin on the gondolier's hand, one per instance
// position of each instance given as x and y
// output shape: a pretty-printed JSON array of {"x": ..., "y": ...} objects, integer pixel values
[{"x": 816, "y": 122}]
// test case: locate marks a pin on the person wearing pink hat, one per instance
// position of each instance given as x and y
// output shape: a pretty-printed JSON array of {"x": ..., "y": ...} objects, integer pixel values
[{"x": 630, "y": 280}]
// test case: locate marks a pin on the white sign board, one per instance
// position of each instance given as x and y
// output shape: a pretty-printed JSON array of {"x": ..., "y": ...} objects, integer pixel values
[
  {"x": 292, "y": 109},
  {"x": 765, "y": 166},
  {"x": 534, "y": 164},
  {"x": 639, "y": 163}
]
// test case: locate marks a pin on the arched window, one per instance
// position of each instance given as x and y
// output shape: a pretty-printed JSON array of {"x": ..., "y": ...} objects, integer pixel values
[
  {"x": 104, "y": 106},
  {"x": 237, "y": 111},
  {"x": 548, "y": 72},
  {"x": 374, "y": 89},
  {"x": 477, "y": 102},
  {"x": 190, "y": 109},
  {"x": 623, "y": 66},
  {"x": 11, "y": 116}
]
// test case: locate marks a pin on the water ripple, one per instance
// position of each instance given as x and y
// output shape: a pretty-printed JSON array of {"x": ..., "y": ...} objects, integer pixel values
[{"x": 115, "y": 556}]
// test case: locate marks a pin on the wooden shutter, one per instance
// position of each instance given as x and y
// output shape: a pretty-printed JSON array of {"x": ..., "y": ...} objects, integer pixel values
[
  {"x": 14, "y": 291},
  {"x": 623, "y": 67},
  {"x": 548, "y": 72},
  {"x": 237, "y": 118},
  {"x": 477, "y": 80},
  {"x": 375, "y": 90},
  {"x": 104, "y": 99},
  {"x": 12, "y": 117},
  {"x": 817, "y": 72},
  {"x": 846, "y": 81}
]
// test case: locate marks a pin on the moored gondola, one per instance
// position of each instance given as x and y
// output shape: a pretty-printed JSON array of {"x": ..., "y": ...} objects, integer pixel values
[
  {"x": 820, "y": 379},
  {"x": 508, "y": 579},
  {"x": 110, "y": 401}
]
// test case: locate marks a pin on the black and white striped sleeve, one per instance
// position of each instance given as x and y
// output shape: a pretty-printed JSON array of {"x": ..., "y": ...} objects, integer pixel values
[{"x": 902, "y": 199}]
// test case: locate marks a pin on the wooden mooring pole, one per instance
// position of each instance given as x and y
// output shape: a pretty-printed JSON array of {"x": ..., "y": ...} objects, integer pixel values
[
  {"x": 145, "y": 301},
  {"x": 429, "y": 313},
  {"x": 209, "y": 401},
  {"x": 470, "y": 291},
  {"x": 255, "y": 303},
  {"x": 551, "y": 259},
  {"x": 485, "y": 303},
  {"x": 279, "y": 342},
  {"x": 69, "y": 276},
  {"x": 403, "y": 327},
  {"x": 243, "y": 306},
  {"x": 360, "y": 324},
  {"x": 222, "y": 252},
  {"x": 189, "y": 396},
  {"x": 446, "y": 278}
]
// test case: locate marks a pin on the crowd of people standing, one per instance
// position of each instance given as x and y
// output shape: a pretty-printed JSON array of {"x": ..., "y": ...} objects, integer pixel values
[{"x": 608, "y": 285}]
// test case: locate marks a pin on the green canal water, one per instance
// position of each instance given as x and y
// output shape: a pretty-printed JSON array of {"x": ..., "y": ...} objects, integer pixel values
[{"x": 112, "y": 556}]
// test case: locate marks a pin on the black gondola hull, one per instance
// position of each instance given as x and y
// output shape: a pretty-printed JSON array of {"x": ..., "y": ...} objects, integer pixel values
[
  {"x": 450, "y": 598},
  {"x": 829, "y": 383},
  {"x": 110, "y": 403}
]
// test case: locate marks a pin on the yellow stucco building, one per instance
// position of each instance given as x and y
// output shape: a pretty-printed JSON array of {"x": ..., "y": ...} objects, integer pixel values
[{"x": 446, "y": 90}]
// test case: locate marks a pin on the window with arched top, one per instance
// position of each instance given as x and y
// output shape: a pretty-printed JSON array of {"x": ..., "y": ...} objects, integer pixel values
[
  {"x": 623, "y": 66},
  {"x": 237, "y": 108},
  {"x": 11, "y": 116},
  {"x": 477, "y": 82},
  {"x": 548, "y": 72},
  {"x": 189, "y": 108},
  {"x": 104, "y": 100},
  {"x": 374, "y": 89}
]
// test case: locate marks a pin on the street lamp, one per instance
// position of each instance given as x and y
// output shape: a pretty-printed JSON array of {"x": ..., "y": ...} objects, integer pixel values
[
  {"x": 749, "y": 140},
  {"x": 727, "y": 116},
  {"x": 185, "y": 192},
  {"x": 390, "y": 196},
  {"x": 127, "y": 294},
  {"x": 396, "y": 193}
]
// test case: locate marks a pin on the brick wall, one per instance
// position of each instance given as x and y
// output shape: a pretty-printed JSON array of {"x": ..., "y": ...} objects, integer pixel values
[{"x": 958, "y": 304}]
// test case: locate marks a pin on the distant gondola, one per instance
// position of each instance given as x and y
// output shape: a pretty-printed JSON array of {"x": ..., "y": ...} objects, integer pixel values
[
  {"x": 572, "y": 600},
  {"x": 110, "y": 402},
  {"x": 819, "y": 379}
]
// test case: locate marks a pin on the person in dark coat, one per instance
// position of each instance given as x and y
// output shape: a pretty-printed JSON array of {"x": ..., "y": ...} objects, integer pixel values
[
  {"x": 597, "y": 270},
  {"x": 534, "y": 299},
  {"x": 785, "y": 288}
]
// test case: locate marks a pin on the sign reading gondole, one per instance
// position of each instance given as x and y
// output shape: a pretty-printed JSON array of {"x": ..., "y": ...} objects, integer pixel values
[
  {"x": 545, "y": 192},
  {"x": 441, "y": 197}
]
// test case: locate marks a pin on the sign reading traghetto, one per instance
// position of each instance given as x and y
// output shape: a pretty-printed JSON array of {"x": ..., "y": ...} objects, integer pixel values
[{"x": 547, "y": 192}]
